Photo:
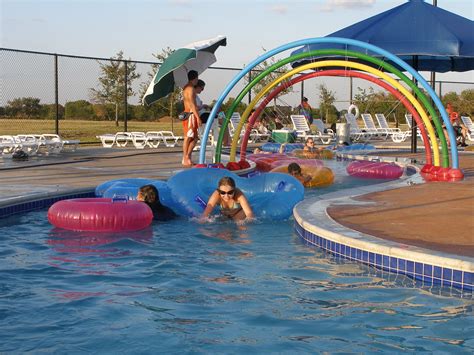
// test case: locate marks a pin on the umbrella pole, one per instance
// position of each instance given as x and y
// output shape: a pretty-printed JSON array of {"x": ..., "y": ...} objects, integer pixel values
[{"x": 414, "y": 127}]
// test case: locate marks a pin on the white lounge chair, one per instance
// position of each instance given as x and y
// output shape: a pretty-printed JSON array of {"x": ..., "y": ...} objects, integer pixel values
[
  {"x": 8, "y": 144},
  {"x": 167, "y": 137},
  {"x": 409, "y": 120},
  {"x": 54, "y": 139},
  {"x": 303, "y": 131},
  {"x": 466, "y": 120},
  {"x": 355, "y": 132},
  {"x": 255, "y": 136},
  {"x": 371, "y": 127},
  {"x": 107, "y": 140},
  {"x": 322, "y": 129},
  {"x": 28, "y": 143},
  {"x": 396, "y": 134}
]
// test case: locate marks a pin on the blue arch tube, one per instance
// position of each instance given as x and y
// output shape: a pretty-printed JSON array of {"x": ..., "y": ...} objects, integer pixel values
[{"x": 332, "y": 40}]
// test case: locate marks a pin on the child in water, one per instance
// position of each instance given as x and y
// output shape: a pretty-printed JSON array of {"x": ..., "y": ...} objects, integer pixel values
[
  {"x": 295, "y": 170},
  {"x": 232, "y": 202},
  {"x": 150, "y": 195}
]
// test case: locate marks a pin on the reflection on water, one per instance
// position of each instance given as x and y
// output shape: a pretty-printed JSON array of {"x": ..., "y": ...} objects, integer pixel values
[{"x": 186, "y": 287}]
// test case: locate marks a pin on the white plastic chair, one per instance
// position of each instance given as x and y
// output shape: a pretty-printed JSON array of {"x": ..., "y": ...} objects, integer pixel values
[
  {"x": 371, "y": 127},
  {"x": 466, "y": 120},
  {"x": 107, "y": 140},
  {"x": 323, "y": 130},
  {"x": 355, "y": 132},
  {"x": 303, "y": 131},
  {"x": 396, "y": 134}
]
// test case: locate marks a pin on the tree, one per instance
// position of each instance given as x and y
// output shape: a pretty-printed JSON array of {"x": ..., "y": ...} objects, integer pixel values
[
  {"x": 267, "y": 79},
  {"x": 25, "y": 106},
  {"x": 326, "y": 107},
  {"x": 112, "y": 83},
  {"x": 80, "y": 109},
  {"x": 463, "y": 103}
]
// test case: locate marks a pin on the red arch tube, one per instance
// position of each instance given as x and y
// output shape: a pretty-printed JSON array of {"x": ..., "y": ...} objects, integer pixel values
[{"x": 338, "y": 72}]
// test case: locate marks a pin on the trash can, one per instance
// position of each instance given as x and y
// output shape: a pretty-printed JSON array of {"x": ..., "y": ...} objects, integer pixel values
[{"x": 343, "y": 133}]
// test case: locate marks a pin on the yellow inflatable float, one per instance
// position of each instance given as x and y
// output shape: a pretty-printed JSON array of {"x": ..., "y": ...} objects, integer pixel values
[
  {"x": 315, "y": 154},
  {"x": 321, "y": 176}
]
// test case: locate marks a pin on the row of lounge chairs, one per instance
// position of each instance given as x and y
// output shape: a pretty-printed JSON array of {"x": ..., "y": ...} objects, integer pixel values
[
  {"x": 139, "y": 140},
  {"x": 33, "y": 144},
  {"x": 370, "y": 131},
  {"x": 396, "y": 134}
]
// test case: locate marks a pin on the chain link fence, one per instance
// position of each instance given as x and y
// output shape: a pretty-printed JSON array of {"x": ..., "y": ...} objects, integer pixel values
[{"x": 81, "y": 97}]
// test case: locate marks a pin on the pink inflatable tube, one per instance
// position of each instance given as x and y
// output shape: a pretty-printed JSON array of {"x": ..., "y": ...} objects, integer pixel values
[
  {"x": 100, "y": 215},
  {"x": 374, "y": 170}
]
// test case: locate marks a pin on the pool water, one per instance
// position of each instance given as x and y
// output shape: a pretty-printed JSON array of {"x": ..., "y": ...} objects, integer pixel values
[
  {"x": 216, "y": 288},
  {"x": 183, "y": 287}
]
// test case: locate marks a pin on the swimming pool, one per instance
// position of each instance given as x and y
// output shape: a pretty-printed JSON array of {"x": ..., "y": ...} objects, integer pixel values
[{"x": 216, "y": 288}]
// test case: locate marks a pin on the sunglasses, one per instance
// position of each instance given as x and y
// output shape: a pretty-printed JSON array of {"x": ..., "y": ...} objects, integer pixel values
[{"x": 230, "y": 193}]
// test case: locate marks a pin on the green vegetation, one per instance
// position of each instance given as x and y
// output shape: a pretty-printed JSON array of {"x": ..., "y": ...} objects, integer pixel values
[{"x": 86, "y": 131}]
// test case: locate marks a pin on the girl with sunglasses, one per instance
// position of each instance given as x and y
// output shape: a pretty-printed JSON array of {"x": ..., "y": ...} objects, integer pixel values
[{"x": 232, "y": 202}]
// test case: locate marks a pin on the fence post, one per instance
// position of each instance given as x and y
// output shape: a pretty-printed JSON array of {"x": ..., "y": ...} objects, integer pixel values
[
  {"x": 250, "y": 91},
  {"x": 56, "y": 93},
  {"x": 125, "y": 124}
]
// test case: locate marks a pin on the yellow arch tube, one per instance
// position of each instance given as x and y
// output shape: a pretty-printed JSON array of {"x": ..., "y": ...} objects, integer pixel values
[{"x": 339, "y": 63}]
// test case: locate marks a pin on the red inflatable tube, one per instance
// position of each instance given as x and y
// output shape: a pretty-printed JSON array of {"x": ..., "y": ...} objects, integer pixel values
[
  {"x": 374, "y": 170},
  {"x": 100, "y": 215}
]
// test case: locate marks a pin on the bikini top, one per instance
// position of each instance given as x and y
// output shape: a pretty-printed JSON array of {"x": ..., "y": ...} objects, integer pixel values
[{"x": 231, "y": 211}]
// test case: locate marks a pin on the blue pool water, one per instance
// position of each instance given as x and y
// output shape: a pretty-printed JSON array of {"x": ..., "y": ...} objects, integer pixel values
[{"x": 182, "y": 287}]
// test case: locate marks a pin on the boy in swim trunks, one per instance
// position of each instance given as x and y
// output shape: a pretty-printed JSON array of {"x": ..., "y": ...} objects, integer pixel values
[{"x": 191, "y": 125}]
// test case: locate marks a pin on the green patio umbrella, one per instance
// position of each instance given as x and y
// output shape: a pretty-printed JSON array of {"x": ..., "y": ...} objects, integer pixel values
[{"x": 174, "y": 70}]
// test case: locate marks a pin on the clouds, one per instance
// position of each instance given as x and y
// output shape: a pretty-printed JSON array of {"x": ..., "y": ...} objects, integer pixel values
[{"x": 332, "y": 5}]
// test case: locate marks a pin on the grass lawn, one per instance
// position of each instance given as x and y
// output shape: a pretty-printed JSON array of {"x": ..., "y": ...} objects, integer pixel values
[{"x": 84, "y": 130}]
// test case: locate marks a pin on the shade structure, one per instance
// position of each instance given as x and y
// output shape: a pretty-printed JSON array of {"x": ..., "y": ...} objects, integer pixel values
[
  {"x": 426, "y": 37},
  {"x": 174, "y": 69}
]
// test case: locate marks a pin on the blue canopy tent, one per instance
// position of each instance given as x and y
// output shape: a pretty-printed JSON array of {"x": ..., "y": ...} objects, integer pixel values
[{"x": 427, "y": 37}]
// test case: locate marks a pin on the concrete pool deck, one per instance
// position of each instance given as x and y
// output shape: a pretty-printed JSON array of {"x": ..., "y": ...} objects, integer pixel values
[{"x": 437, "y": 216}]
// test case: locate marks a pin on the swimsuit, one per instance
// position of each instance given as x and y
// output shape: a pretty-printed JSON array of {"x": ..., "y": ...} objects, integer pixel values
[
  {"x": 231, "y": 212},
  {"x": 190, "y": 127}
]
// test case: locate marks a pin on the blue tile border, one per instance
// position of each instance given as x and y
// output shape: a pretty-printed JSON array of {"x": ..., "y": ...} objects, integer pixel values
[
  {"x": 428, "y": 274},
  {"x": 38, "y": 203}
]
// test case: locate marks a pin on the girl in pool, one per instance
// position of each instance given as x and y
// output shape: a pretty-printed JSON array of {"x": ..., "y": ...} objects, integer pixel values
[{"x": 232, "y": 202}]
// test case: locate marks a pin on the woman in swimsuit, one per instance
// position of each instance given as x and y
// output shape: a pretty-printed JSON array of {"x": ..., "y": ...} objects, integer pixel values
[{"x": 232, "y": 202}]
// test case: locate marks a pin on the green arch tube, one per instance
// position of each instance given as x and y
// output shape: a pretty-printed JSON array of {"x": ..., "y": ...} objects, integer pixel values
[{"x": 380, "y": 63}]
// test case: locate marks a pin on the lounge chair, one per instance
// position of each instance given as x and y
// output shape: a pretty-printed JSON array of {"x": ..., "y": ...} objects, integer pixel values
[
  {"x": 371, "y": 127},
  {"x": 409, "y": 120},
  {"x": 167, "y": 137},
  {"x": 396, "y": 134},
  {"x": 8, "y": 144},
  {"x": 233, "y": 124},
  {"x": 69, "y": 144},
  {"x": 28, "y": 143},
  {"x": 303, "y": 131},
  {"x": 356, "y": 133},
  {"x": 107, "y": 140},
  {"x": 466, "y": 120},
  {"x": 322, "y": 129}
]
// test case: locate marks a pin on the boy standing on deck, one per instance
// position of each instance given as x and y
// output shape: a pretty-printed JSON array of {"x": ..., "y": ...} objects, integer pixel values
[{"x": 191, "y": 125}]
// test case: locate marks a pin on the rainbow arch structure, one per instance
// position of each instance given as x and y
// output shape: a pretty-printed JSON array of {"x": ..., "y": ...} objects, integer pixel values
[
  {"x": 337, "y": 72},
  {"x": 438, "y": 168}
]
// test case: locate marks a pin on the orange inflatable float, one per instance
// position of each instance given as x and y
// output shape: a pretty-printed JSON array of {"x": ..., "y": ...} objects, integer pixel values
[{"x": 321, "y": 176}]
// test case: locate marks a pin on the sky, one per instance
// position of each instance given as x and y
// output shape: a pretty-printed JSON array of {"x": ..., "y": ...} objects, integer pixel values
[{"x": 141, "y": 28}]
